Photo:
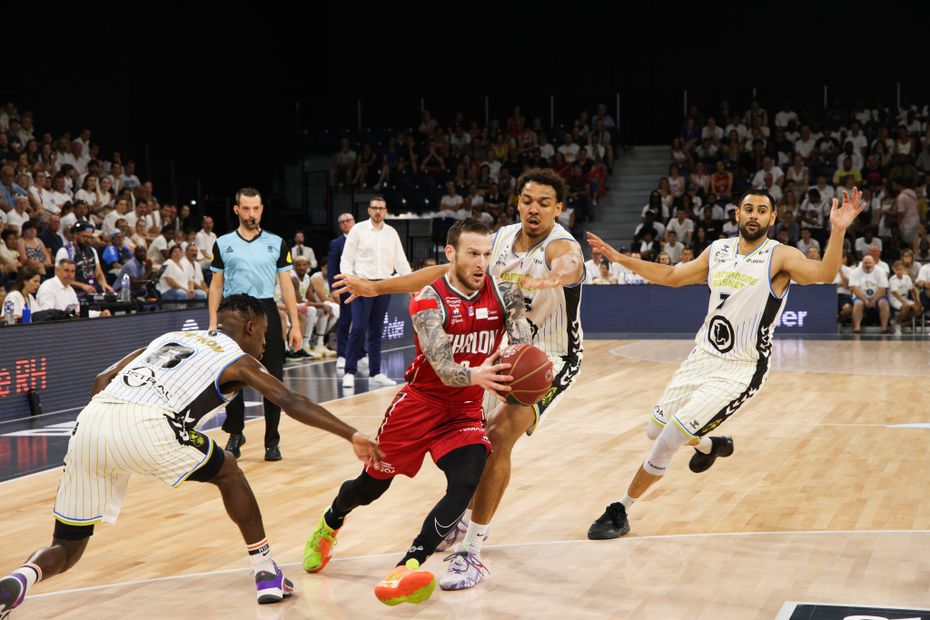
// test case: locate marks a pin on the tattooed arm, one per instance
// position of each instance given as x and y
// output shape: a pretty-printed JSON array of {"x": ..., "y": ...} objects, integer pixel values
[
  {"x": 435, "y": 344},
  {"x": 518, "y": 329}
]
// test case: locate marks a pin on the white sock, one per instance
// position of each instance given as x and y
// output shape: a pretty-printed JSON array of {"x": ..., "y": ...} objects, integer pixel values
[
  {"x": 476, "y": 534},
  {"x": 306, "y": 342},
  {"x": 705, "y": 445},
  {"x": 31, "y": 573},
  {"x": 260, "y": 556},
  {"x": 466, "y": 519},
  {"x": 627, "y": 501}
]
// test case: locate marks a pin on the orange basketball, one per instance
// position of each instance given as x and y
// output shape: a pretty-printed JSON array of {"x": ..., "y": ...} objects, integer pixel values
[{"x": 532, "y": 373}]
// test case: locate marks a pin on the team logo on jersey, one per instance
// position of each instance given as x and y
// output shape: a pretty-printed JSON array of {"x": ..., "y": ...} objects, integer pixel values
[
  {"x": 229, "y": 249},
  {"x": 720, "y": 334},
  {"x": 270, "y": 248},
  {"x": 195, "y": 439},
  {"x": 169, "y": 355},
  {"x": 471, "y": 311}
]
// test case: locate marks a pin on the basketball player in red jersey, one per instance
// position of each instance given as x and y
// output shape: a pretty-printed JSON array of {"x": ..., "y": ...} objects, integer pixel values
[{"x": 459, "y": 321}]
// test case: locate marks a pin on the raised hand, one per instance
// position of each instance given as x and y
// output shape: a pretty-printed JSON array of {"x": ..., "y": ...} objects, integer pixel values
[{"x": 842, "y": 216}]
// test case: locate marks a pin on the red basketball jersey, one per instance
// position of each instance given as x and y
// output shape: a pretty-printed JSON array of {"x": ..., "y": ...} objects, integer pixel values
[{"x": 475, "y": 326}]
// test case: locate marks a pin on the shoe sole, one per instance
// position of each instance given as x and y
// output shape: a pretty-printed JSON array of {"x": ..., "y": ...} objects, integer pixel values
[
  {"x": 270, "y": 596},
  {"x": 608, "y": 536},
  {"x": 455, "y": 587},
  {"x": 416, "y": 597}
]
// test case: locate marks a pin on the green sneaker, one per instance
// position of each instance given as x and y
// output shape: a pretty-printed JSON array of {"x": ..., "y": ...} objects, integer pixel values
[{"x": 319, "y": 548}]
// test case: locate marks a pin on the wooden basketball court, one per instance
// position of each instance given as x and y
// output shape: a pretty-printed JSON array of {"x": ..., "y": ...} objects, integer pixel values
[{"x": 824, "y": 500}]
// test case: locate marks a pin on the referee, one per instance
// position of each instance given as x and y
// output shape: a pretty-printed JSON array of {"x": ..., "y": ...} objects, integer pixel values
[{"x": 250, "y": 261}]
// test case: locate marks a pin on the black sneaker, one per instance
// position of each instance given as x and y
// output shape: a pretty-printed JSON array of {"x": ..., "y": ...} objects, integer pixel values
[
  {"x": 236, "y": 440},
  {"x": 723, "y": 446},
  {"x": 272, "y": 454},
  {"x": 612, "y": 524}
]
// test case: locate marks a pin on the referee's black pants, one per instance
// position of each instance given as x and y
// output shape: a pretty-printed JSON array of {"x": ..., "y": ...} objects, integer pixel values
[{"x": 273, "y": 360}]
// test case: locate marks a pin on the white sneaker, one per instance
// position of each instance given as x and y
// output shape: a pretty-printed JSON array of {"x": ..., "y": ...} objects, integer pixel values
[
  {"x": 327, "y": 352},
  {"x": 465, "y": 571},
  {"x": 363, "y": 364},
  {"x": 348, "y": 381},
  {"x": 340, "y": 363},
  {"x": 453, "y": 536},
  {"x": 381, "y": 379},
  {"x": 314, "y": 354},
  {"x": 897, "y": 329}
]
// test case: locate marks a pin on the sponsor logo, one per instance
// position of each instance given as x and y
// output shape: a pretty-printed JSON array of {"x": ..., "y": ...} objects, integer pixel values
[
  {"x": 270, "y": 249},
  {"x": 483, "y": 342},
  {"x": 229, "y": 249},
  {"x": 720, "y": 334},
  {"x": 142, "y": 376},
  {"x": 210, "y": 343},
  {"x": 481, "y": 313},
  {"x": 453, "y": 301},
  {"x": 550, "y": 394},
  {"x": 789, "y": 318},
  {"x": 385, "y": 467}
]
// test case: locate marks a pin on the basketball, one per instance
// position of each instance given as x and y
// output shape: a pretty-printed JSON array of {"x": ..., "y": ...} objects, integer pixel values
[{"x": 532, "y": 373}]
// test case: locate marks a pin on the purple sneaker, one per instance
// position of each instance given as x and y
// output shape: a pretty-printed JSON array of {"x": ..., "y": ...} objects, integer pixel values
[
  {"x": 271, "y": 588},
  {"x": 12, "y": 592}
]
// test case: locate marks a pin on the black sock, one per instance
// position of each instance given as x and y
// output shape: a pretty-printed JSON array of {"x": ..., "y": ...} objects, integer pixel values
[
  {"x": 463, "y": 467},
  {"x": 332, "y": 520}
]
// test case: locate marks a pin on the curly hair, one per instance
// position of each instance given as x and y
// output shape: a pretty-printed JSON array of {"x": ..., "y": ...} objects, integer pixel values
[
  {"x": 243, "y": 304},
  {"x": 544, "y": 176}
]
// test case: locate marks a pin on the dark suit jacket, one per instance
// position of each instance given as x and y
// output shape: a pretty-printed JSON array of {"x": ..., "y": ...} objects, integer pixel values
[{"x": 336, "y": 246}]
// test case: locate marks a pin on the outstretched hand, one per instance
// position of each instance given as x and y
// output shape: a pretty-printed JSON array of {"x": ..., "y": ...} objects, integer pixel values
[
  {"x": 366, "y": 450},
  {"x": 353, "y": 285},
  {"x": 842, "y": 216},
  {"x": 606, "y": 249}
]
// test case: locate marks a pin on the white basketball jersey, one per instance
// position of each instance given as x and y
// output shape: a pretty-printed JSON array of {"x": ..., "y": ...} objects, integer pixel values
[
  {"x": 743, "y": 309},
  {"x": 179, "y": 372},
  {"x": 554, "y": 314}
]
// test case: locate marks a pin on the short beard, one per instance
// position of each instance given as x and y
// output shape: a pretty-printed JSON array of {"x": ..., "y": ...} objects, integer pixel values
[{"x": 746, "y": 235}]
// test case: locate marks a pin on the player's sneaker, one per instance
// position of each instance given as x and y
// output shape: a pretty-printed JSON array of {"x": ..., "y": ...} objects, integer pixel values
[
  {"x": 12, "y": 592},
  {"x": 453, "y": 536},
  {"x": 406, "y": 584},
  {"x": 723, "y": 447},
  {"x": 236, "y": 441},
  {"x": 272, "y": 588},
  {"x": 319, "y": 548},
  {"x": 612, "y": 524},
  {"x": 465, "y": 571}
]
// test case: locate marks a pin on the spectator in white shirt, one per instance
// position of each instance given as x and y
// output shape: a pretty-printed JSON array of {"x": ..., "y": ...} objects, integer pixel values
[
  {"x": 673, "y": 247},
  {"x": 876, "y": 253},
  {"x": 451, "y": 201},
  {"x": 372, "y": 251},
  {"x": 807, "y": 241},
  {"x": 682, "y": 226},
  {"x": 569, "y": 149},
  {"x": 768, "y": 166},
  {"x": 157, "y": 250},
  {"x": 592, "y": 268},
  {"x": 23, "y": 293},
  {"x": 175, "y": 282},
  {"x": 57, "y": 293},
  {"x": 19, "y": 214},
  {"x": 129, "y": 180},
  {"x": 205, "y": 240},
  {"x": 869, "y": 288},
  {"x": 300, "y": 249},
  {"x": 903, "y": 296}
]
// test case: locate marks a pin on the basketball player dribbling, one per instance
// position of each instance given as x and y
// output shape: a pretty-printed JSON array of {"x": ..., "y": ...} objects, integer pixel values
[
  {"x": 460, "y": 320},
  {"x": 749, "y": 278},
  {"x": 141, "y": 420},
  {"x": 539, "y": 248}
]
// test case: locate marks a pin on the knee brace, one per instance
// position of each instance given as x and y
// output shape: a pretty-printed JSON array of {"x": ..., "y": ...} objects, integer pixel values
[{"x": 667, "y": 444}]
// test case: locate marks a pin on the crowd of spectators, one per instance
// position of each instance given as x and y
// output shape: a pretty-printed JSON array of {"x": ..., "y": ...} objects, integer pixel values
[
  {"x": 79, "y": 222},
  {"x": 461, "y": 169}
]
